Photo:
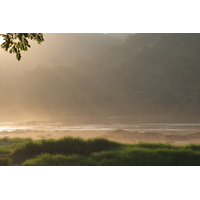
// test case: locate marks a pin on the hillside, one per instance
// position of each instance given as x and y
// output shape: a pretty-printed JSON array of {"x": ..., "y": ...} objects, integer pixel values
[
  {"x": 150, "y": 73},
  {"x": 144, "y": 74}
]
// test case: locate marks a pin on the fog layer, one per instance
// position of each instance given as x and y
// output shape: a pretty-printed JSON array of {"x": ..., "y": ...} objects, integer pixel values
[{"x": 93, "y": 75}]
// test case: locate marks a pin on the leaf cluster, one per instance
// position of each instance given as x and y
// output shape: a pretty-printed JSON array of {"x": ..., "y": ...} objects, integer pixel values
[{"x": 17, "y": 42}]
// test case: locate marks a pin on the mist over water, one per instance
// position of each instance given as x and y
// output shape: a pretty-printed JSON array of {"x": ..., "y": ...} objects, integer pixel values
[
  {"x": 60, "y": 126},
  {"x": 41, "y": 84},
  {"x": 104, "y": 81}
]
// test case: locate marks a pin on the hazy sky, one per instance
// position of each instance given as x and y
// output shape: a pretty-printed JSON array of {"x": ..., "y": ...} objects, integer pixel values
[{"x": 58, "y": 48}]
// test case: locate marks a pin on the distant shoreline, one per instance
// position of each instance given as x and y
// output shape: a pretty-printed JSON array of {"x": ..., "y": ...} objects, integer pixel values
[{"x": 176, "y": 138}]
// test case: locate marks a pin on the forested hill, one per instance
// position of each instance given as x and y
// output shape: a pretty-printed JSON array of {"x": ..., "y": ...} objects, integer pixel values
[
  {"x": 144, "y": 74},
  {"x": 149, "y": 73}
]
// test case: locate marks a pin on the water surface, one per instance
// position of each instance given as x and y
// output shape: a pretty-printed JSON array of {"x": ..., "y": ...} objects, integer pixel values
[{"x": 58, "y": 126}]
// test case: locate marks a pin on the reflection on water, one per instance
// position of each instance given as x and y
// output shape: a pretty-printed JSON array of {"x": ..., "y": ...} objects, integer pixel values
[{"x": 57, "y": 126}]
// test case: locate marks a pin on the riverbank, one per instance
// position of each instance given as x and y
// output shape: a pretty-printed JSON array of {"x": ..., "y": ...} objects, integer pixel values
[{"x": 123, "y": 136}]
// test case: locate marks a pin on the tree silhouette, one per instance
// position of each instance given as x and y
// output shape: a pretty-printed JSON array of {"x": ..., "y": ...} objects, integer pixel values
[{"x": 17, "y": 42}]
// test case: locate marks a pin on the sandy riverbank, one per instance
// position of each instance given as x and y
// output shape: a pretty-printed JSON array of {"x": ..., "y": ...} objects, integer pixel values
[{"x": 177, "y": 138}]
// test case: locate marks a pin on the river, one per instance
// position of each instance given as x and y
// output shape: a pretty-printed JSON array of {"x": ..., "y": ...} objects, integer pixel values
[{"x": 58, "y": 126}]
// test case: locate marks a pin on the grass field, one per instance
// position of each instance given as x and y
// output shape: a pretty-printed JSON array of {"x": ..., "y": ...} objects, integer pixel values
[{"x": 70, "y": 151}]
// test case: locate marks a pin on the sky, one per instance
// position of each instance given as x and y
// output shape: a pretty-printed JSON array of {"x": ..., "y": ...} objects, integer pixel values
[
  {"x": 62, "y": 48},
  {"x": 1, "y": 40}
]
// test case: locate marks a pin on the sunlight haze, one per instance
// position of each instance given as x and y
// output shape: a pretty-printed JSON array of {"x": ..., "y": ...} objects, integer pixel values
[
  {"x": 142, "y": 89},
  {"x": 1, "y": 39}
]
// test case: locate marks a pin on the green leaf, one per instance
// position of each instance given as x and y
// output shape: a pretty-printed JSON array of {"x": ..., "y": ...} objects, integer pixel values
[{"x": 17, "y": 42}]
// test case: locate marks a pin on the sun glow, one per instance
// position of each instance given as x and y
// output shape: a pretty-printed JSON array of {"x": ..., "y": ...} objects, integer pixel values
[{"x": 1, "y": 40}]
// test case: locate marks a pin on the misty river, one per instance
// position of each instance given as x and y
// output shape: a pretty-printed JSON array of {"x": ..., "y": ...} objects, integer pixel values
[{"x": 58, "y": 126}]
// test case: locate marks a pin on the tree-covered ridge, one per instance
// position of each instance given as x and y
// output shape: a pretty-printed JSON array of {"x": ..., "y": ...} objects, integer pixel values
[{"x": 157, "y": 72}]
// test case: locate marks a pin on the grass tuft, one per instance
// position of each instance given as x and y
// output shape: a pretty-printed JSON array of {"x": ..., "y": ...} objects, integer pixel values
[
  {"x": 15, "y": 140},
  {"x": 66, "y": 146},
  {"x": 6, "y": 161}
]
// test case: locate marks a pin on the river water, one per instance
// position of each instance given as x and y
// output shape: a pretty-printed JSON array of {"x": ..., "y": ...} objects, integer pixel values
[{"x": 58, "y": 126}]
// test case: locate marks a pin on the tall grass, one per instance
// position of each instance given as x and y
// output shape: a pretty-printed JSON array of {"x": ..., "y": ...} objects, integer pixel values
[
  {"x": 193, "y": 147},
  {"x": 66, "y": 146},
  {"x": 155, "y": 145},
  {"x": 15, "y": 140},
  {"x": 56, "y": 160},
  {"x": 147, "y": 157},
  {"x": 8, "y": 144},
  {"x": 102, "y": 152},
  {"x": 123, "y": 157},
  {"x": 6, "y": 149},
  {"x": 6, "y": 161}
]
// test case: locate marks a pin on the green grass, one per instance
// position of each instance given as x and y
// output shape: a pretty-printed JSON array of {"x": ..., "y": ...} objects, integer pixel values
[
  {"x": 123, "y": 157},
  {"x": 55, "y": 160},
  {"x": 147, "y": 157},
  {"x": 6, "y": 161},
  {"x": 70, "y": 151},
  {"x": 66, "y": 146},
  {"x": 7, "y": 146},
  {"x": 6, "y": 149},
  {"x": 15, "y": 140},
  {"x": 155, "y": 146}
]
